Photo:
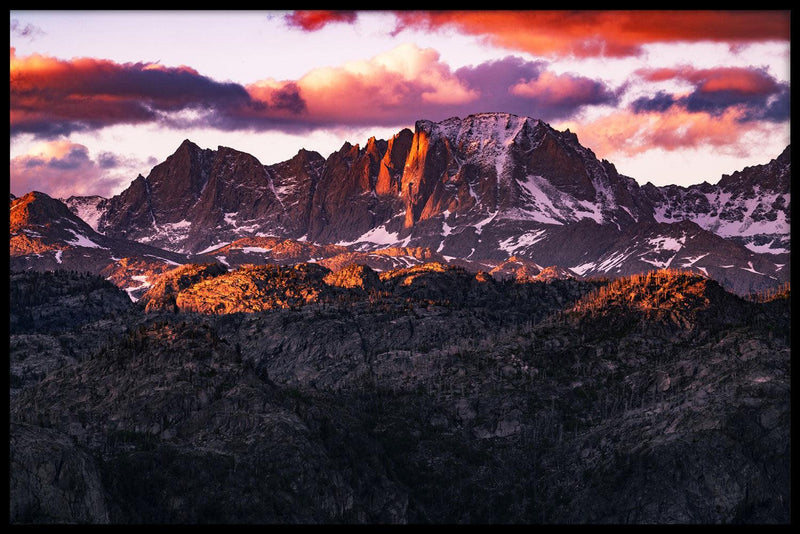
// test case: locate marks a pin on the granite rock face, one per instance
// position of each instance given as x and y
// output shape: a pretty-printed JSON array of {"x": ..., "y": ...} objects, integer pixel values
[{"x": 52, "y": 480}]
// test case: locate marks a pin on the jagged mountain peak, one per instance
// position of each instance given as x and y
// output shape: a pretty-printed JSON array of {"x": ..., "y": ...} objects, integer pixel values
[
  {"x": 488, "y": 133},
  {"x": 773, "y": 176},
  {"x": 487, "y": 122},
  {"x": 37, "y": 209},
  {"x": 751, "y": 206},
  {"x": 188, "y": 144}
]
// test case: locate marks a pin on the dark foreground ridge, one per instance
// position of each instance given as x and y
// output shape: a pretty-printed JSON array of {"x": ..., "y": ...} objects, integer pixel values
[{"x": 301, "y": 394}]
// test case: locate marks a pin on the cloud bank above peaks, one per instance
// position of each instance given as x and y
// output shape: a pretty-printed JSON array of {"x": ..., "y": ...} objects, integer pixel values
[
  {"x": 752, "y": 91},
  {"x": 631, "y": 84},
  {"x": 51, "y": 97}
]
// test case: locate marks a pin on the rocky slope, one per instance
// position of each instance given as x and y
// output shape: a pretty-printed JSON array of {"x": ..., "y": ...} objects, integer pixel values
[
  {"x": 45, "y": 236},
  {"x": 420, "y": 395},
  {"x": 751, "y": 206}
]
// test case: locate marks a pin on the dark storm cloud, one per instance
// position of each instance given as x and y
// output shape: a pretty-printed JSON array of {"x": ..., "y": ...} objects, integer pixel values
[{"x": 662, "y": 101}]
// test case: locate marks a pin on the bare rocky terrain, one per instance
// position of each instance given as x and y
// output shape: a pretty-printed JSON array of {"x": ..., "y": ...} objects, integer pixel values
[{"x": 421, "y": 395}]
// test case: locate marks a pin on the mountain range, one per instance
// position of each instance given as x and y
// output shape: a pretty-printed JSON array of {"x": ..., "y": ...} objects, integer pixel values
[
  {"x": 473, "y": 191},
  {"x": 474, "y": 322}
]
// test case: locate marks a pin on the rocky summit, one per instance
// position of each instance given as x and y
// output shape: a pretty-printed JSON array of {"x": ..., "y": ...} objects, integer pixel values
[{"x": 473, "y": 322}]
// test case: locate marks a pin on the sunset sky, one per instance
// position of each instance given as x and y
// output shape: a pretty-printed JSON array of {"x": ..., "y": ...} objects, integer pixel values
[{"x": 97, "y": 98}]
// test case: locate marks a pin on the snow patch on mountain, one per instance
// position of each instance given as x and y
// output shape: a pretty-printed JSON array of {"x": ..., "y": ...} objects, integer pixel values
[
  {"x": 767, "y": 248},
  {"x": 144, "y": 283},
  {"x": 87, "y": 209},
  {"x": 446, "y": 228},
  {"x": 170, "y": 233},
  {"x": 82, "y": 241},
  {"x": 751, "y": 269},
  {"x": 258, "y": 250},
  {"x": 667, "y": 243},
  {"x": 613, "y": 260},
  {"x": 514, "y": 243},
  {"x": 230, "y": 218},
  {"x": 583, "y": 268},
  {"x": 551, "y": 206},
  {"x": 541, "y": 194},
  {"x": 378, "y": 236},
  {"x": 690, "y": 261},
  {"x": 214, "y": 247},
  {"x": 480, "y": 224},
  {"x": 658, "y": 245}
]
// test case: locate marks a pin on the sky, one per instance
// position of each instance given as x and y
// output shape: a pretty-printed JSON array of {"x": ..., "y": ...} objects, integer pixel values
[{"x": 669, "y": 97}]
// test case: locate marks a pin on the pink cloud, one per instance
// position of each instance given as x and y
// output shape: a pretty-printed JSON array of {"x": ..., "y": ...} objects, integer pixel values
[
  {"x": 385, "y": 87},
  {"x": 51, "y": 97},
  {"x": 624, "y": 133},
  {"x": 554, "y": 89},
  {"x": 612, "y": 33},
  {"x": 62, "y": 168},
  {"x": 751, "y": 81}
]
